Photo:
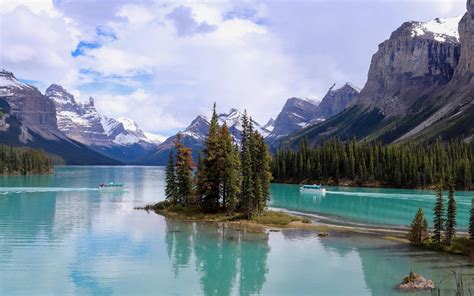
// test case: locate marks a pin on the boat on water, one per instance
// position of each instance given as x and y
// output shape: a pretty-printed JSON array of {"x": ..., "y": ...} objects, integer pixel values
[
  {"x": 312, "y": 188},
  {"x": 112, "y": 186}
]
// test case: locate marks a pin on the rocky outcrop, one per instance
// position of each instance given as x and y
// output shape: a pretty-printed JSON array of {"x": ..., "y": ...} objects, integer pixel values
[
  {"x": 29, "y": 119},
  {"x": 420, "y": 87},
  {"x": 416, "y": 60},
  {"x": 413, "y": 282},
  {"x": 298, "y": 114},
  {"x": 295, "y": 114},
  {"x": 120, "y": 139},
  {"x": 27, "y": 103},
  {"x": 80, "y": 122},
  {"x": 336, "y": 100}
]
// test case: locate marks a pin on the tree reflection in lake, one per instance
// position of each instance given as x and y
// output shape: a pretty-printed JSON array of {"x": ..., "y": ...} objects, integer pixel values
[{"x": 229, "y": 261}]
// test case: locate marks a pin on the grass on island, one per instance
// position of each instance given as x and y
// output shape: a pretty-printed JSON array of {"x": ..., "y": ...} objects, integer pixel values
[
  {"x": 267, "y": 218},
  {"x": 460, "y": 245}
]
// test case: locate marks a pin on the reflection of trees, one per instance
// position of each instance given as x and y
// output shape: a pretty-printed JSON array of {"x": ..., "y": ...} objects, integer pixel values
[
  {"x": 178, "y": 244},
  {"x": 227, "y": 260},
  {"x": 216, "y": 253},
  {"x": 253, "y": 266}
]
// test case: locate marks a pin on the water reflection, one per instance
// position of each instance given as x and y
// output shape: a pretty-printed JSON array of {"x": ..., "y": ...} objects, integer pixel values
[
  {"x": 228, "y": 261},
  {"x": 367, "y": 205}
]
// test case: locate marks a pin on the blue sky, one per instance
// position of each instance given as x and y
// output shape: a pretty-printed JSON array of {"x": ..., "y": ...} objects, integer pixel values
[{"x": 161, "y": 63}]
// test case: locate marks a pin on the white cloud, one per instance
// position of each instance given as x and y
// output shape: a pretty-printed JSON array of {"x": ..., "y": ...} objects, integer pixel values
[
  {"x": 37, "y": 45},
  {"x": 162, "y": 69}
]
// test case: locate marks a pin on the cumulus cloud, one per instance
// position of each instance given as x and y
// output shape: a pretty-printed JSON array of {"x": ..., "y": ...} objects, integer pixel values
[{"x": 161, "y": 63}]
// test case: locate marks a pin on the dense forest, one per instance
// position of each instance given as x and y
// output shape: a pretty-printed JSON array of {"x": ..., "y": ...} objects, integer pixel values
[
  {"x": 14, "y": 161},
  {"x": 367, "y": 163},
  {"x": 227, "y": 179}
]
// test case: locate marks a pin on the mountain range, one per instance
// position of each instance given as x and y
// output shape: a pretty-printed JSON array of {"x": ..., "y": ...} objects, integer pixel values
[{"x": 419, "y": 88}]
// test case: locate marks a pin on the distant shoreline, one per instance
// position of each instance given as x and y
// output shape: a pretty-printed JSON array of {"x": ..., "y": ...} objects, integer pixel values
[{"x": 351, "y": 184}]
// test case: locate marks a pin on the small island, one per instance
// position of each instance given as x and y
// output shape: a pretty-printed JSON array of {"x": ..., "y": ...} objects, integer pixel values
[{"x": 230, "y": 183}]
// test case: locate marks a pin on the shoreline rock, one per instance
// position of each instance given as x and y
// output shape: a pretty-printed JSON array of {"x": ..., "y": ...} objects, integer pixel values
[{"x": 415, "y": 281}]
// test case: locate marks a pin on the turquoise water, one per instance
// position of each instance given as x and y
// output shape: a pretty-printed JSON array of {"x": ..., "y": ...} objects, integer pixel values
[
  {"x": 59, "y": 235},
  {"x": 378, "y": 206}
]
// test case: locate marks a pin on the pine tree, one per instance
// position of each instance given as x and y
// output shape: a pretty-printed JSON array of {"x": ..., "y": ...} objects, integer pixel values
[
  {"x": 213, "y": 166},
  {"x": 200, "y": 180},
  {"x": 451, "y": 215},
  {"x": 184, "y": 173},
  {"x": 438, "y": 215},
  {"x": 471, "y": 221},
  {"x": 247, "y": 191},
  {"x": 171, "y": 188},
  {"x": 262, "y": 172},
  {"x": 231, "y": 172},
  {"x": 418, "y": 228}
]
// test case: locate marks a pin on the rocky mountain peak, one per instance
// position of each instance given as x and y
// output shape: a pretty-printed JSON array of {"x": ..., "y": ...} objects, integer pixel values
[
  {"x": 417, "y": 58},
  {"x": 8, "y": 83},
  {"x": 336, "y": 100},
  {"x": 60, "y": 96},
  {"x": 439, "y": 29}
]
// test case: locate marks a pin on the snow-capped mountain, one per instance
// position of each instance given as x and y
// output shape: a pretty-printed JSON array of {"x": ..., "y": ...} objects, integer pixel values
[
  {"x": 439, "y": 29},
  {"x": 28, "y": 118},
  {"x": 195, "y": 134},
  {"x": 120, "y": 138},
  {"x": 85, "y": 124}
]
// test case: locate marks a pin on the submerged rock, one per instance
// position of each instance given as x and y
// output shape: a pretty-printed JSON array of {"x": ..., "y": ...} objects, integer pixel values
[{"x": 415, "y": 281}]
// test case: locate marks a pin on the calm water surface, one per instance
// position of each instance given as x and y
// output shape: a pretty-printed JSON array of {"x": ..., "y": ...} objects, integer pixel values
[
  {"x": 59, "y": 235},
  {"x": 375, "y": 206}
]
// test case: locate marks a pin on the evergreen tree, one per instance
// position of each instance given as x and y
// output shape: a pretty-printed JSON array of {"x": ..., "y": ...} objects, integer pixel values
[
  {"x": 451, "y": 216},
  {"x": 438, "y": 214},
  {"x": 184, "y": 173},
  {"x": 471, "y": 221},
  {"x": 231, "y": 173},
  {"x": 171, "y": 191},
  {"x": 247, "y": 192},
  {"x": 200, "y": 180},
  {"x": 418, "y": 228},
  {"x": 213, "y": 166}
]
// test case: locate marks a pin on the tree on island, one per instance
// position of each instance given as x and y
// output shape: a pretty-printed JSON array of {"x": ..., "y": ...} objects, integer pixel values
[
  {"x": 231, "y": 179},
  {"x": 171, "y": 191},
  {"x": 438, "y": 215},
  {"x": 451, "y": 216},
  {"x": 226, "y": 180},
  {"x": 212, "y": 167},
  {"x": 184, "y": 173},
  {"x": 418, "y": 228}
]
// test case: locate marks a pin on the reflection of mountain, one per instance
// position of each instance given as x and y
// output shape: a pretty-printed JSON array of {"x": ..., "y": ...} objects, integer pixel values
[
  {"x": 228, "y": 261},
  {"x": 33, "y": 212}
]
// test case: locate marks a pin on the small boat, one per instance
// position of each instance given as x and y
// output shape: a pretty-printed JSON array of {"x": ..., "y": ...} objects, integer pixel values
[
  {"x": 112, "y": 186},
  {"x": 313, "y": 188}
]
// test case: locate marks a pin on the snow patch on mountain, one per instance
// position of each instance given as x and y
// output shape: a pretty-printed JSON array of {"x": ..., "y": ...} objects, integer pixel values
[
  {"x": 441, "y": 28},
  {"x": 8, "y": 82}
]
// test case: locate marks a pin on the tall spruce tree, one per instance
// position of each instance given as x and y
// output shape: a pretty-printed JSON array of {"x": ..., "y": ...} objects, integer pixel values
[
  {"x": 171, "y": 191},
  {"x": 418, "y": 228},
  {"x": 213, "y": 166},
  {"x": 438, "y": 214},
  {"x": 451, "y": 215},
  {"x": 247, "y": 192},
  {"x": 231, "y": 172},
  {"x": 200, "y": 179},
  {"x": 184, "y": 173},
  {"x": 262, "y": 172},
  {"x": 471, "y": 221}
]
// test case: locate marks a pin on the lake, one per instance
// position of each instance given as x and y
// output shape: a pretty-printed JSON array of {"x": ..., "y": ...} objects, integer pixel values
[{"x": 60, "y": 235}]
